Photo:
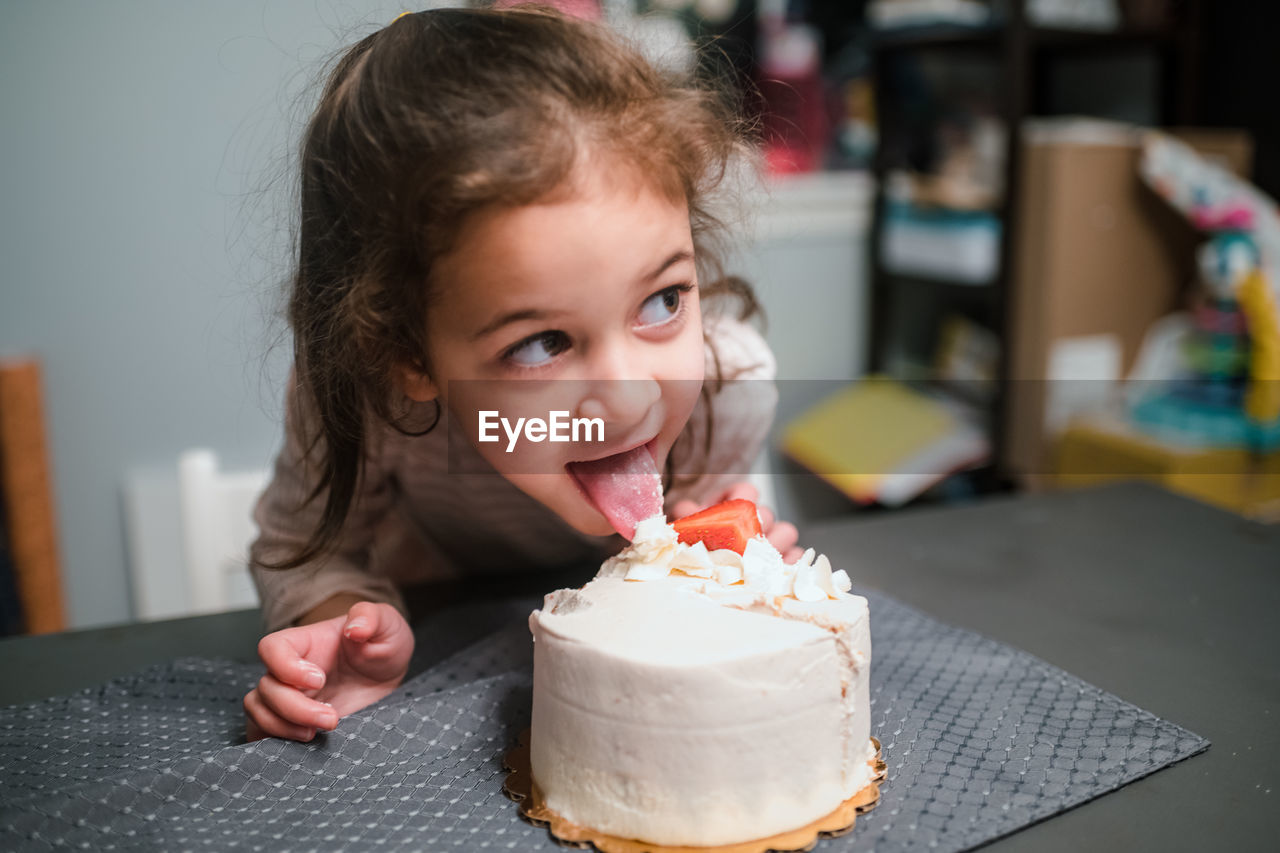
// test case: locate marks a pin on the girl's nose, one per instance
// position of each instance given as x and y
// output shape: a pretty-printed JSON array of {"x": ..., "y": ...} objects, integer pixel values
[
  {"x": 620, "y": 402},
  {"x": 621, "y": 388}
]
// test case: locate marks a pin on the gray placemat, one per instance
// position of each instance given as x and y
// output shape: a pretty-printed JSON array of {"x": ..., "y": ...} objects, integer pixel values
[{"x": 980, "y": 739}]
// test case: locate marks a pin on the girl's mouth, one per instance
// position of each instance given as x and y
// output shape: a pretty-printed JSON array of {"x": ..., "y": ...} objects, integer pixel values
[{"x": 624, "y": 487}]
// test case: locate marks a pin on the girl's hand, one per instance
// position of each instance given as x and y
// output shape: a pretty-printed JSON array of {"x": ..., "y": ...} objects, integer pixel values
[
  {"x": 782, "y": 535},
  {"x": 319, "y": 673}
]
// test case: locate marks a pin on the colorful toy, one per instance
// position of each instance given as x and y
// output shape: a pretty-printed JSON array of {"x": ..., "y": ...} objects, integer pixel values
[{"x": 1228, "y": 392}]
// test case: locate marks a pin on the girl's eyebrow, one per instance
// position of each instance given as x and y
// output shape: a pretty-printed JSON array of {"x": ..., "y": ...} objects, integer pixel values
[
  {"x": 682, "y": 255},
  {"x": 539, "y": 314},
  {"x": 508, "y": 318}
]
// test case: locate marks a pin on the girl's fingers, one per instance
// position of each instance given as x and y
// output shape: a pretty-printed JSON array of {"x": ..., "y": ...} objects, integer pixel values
[
  {"x": 285, "y": 662},
  {"x": 783, "y": 536},
  {"x": 363, "y": 622},
  {"x": 792, "y": 555},
  {"x": 379, "y": 630},
  {"x": 766, "y": 518},
  {"x": 252, "y": 731},
  {"x": 378, "y": 641},
  {"x": 683, "y": 508},
  {"x": 368, "y": 622},
  {"x": 742, "y": 491},
  {"x": 372, "y": 623},
  {"x": 293, "y": 707},
  {"x": 263, "y": 722}
]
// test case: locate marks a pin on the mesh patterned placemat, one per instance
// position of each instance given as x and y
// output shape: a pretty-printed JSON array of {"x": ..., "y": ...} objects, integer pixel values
[{"x": 980, "y": 739}]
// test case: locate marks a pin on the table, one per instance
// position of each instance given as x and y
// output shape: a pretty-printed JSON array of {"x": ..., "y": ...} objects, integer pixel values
[{"x": 1170, "y": 604}]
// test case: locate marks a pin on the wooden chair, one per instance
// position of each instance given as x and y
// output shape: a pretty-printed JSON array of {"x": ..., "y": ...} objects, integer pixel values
[{"x": 33, "y": 569}]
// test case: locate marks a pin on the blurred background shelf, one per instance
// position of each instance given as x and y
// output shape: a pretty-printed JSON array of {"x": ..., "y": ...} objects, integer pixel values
[
  {"x": 951, "y": 107},
  {"x": 948, "y": 38}
]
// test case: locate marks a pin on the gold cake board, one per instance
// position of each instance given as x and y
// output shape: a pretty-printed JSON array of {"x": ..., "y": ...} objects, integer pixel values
[{"x": 521, "y": 788}]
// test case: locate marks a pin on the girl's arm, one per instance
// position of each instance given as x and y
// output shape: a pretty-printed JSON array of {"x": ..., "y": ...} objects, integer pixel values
[
  {"x": 286, "y": 519},
  {"x": 338, "y": 639}
]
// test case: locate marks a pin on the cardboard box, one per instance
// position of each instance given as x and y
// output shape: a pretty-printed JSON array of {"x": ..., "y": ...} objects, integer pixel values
[{"x": 1097, "y": 259}]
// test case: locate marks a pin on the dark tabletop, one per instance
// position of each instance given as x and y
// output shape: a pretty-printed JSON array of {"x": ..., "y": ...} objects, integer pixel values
[{"x": 1169, "y": 604}]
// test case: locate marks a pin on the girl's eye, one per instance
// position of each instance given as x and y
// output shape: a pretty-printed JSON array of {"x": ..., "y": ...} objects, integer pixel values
[
  {"x": 537, "y": 350},
  {"x": 663, "y": 305}
]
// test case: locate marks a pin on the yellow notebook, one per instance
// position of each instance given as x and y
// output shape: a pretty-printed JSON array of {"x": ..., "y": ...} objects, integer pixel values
[{"x": 879, "y": 440}]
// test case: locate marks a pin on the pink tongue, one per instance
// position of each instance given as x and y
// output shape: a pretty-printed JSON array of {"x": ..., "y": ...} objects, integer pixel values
[{"x": 625, "y": 487}]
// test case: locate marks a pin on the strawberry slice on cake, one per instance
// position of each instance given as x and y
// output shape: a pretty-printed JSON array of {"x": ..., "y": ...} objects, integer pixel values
[{"x": 730, "y": 525}]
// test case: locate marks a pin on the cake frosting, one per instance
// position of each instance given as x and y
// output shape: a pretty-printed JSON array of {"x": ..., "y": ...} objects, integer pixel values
[{"x": 694, "y": 697}]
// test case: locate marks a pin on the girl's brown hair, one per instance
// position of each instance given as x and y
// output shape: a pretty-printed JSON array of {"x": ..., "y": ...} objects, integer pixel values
[{"x": 438, "y": 115}]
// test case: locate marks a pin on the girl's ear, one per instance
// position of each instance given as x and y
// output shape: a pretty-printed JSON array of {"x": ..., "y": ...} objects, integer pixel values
[{"x": 415, "y": 384}]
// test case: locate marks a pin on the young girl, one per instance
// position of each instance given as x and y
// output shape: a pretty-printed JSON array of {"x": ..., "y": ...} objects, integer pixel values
[{"x": 502, "y": 212}]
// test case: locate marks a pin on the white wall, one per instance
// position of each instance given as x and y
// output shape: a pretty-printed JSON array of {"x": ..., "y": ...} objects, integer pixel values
[
  {"x": 143, "y": 240},
  {"x": 140, "y": 253}
]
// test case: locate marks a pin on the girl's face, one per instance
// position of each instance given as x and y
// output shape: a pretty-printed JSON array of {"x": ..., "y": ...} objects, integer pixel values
[{"x": 586, "y": 304}]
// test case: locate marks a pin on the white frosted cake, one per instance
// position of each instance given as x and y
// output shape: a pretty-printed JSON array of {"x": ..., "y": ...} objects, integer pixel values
[{"x": 699, "y": 698}]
